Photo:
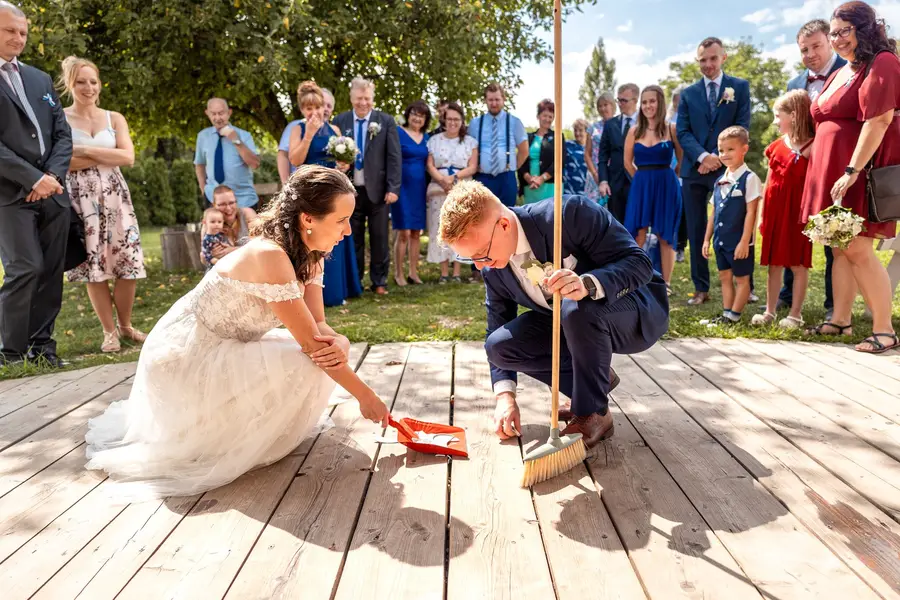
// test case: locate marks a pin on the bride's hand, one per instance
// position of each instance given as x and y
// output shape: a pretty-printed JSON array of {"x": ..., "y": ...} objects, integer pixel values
[
  {"x": 331, "y": 357},
  {"x": 373, "y": 409}
]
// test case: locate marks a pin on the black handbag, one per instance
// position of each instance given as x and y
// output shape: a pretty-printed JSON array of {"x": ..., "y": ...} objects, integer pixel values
[{"x": 76, "y": 253}]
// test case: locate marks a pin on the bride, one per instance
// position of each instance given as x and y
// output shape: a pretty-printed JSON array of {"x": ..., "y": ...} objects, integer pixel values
[{"x": 219, "y": 390}]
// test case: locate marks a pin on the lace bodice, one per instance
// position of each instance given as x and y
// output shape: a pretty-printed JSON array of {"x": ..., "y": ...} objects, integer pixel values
[{"x": 234, "y": 309}]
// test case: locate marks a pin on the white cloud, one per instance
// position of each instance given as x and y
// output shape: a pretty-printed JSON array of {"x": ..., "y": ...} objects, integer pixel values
[
  {"x": 627, "y": 27},
  {"x": 635, "y": 63},
  {"x": 780, "y": 39},
  {"x": 809, "y": 10},
  {"x": 760, "y": 17}
]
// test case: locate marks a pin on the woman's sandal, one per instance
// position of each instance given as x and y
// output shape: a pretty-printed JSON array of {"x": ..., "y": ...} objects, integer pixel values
[
  {"x": 790, "y": 322},
  {"x": 766, "y": 318},
  {"x": 878, "y": 347},
  {"x": 130, "y": 333},
  {"x": 841, "y": 329}
]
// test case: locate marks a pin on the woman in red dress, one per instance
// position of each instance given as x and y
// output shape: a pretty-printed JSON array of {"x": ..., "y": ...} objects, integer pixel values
[{"x": 855, "y": 122}]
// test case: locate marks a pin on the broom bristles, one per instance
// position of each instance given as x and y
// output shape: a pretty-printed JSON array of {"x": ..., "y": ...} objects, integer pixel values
[{"x": 547, "y": 467}]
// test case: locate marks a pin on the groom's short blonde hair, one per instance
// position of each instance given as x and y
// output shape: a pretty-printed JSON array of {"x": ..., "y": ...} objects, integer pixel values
[{"x": 467, "y": 205}]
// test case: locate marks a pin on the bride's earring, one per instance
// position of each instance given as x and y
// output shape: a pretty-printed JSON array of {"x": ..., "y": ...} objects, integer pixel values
[{"x": 309, "y": 232}]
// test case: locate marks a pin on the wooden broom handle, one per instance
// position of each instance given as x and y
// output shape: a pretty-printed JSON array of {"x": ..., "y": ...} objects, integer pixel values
[{"x": 557, "y": 205}]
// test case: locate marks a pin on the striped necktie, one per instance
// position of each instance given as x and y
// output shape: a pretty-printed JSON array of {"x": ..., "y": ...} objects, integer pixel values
[
  {"x": 13, "y": 74},
  {"x": 496, "y": 166},
  {"x": 713, "y": 96}
]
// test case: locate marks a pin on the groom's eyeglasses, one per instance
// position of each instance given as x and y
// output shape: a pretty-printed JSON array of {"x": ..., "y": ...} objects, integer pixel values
[{"x": 487, "y": 253}]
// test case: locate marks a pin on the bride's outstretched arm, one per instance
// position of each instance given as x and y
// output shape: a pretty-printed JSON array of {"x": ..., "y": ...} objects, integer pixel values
[{"x": 299, "y": 320}]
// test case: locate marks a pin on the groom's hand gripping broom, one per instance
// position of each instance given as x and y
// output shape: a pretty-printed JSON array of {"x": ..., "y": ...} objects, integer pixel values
[{"x": 559, "y": 454}]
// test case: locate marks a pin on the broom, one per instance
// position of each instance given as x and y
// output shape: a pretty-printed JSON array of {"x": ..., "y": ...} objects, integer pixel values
[{"x": 559, "y": 454}]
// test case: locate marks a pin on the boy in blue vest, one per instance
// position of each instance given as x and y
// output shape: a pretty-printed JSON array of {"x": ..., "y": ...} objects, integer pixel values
[{"x": 731, "y": 230}]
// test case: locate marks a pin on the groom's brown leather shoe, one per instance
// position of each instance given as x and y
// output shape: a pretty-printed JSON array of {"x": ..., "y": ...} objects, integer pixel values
[
  {"x": 565, "y": 411},
  {"x": 594, "y": 428}
]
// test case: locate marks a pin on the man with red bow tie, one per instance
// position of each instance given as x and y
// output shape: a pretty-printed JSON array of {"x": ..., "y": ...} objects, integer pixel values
[{"x": 820, "y": 61}]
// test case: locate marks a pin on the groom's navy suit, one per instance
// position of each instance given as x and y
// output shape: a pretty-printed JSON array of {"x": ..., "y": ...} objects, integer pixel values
[
  {"x": 801, "y": 82},
  {"x": 698, "y": 130},
  {"x": 631, "y": 317}
]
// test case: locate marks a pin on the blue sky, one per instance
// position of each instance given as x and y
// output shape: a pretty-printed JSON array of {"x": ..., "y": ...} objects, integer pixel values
[{"x": 644, "y": 36}]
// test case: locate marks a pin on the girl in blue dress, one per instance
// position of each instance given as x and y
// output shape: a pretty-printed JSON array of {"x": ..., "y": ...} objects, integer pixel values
[
  {"x": 308, "y": 147},
  {"x": 408, "y": 212},
  {"x": 654, "y": 201}
]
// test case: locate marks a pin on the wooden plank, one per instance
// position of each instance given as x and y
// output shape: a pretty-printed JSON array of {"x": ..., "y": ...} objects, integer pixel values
[
  {"x": 857, "y": 531},
  {"x": 863, "y": 467},
  {"x": 773, "y": 548},
  {"x": 887, "y": 364},
  {"x": 26, "y": 510},
  {"x": 399, "y": 540},
  {"x": 818, "y": 387},
  {"x": 301, "y": 549},
  {"x": 104, "y": 566},
  {"x": 499, "y": 554},
  {"x": 867, "y": 386},
  {"x": 14, "y": 397},
  {"x": 28, "y": 419},
  {"x": 8, "y": 384},
  {"x": 577, "y": 532},
  {"x": 23, "y": 460}
]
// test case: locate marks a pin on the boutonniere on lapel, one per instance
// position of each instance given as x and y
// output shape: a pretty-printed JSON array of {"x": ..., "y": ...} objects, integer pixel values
[
  {"x": 49, "y": 100},
  {"x": 374, "y": 129},
  {"x": 727, "y": 95},
  {"x": 537, "y": 271}
]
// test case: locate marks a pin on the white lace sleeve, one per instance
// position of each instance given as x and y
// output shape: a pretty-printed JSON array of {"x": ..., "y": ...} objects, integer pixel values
[
  {"x": 274, "y": 292},
  {"x": 319, "y": 277}
]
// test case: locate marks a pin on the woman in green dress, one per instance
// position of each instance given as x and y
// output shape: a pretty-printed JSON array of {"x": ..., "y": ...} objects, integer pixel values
[{"x": 536, "y": 173}]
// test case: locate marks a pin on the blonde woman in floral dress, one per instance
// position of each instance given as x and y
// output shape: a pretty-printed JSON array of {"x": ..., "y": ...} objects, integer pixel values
[{"x": 102, "y": 144}]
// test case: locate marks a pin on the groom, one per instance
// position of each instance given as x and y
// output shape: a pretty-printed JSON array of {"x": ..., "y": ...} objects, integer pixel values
[
  {"x": 612, "y": 301},
  {"x": 706, "y": 108}
]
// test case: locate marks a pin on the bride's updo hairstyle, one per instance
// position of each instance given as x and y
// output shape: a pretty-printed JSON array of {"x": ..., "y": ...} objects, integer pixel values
[{"x": 312, "y": 190}]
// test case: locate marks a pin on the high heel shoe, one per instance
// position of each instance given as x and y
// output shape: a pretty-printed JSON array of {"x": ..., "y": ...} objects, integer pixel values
[{"x": 132, "y": 334}]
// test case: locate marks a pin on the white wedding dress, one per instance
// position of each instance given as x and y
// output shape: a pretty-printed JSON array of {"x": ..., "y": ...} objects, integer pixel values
[{"x": 218, "y": 391}]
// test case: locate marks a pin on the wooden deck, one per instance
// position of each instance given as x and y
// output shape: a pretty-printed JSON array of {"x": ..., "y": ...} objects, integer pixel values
[{"x": 739, "y": 470}]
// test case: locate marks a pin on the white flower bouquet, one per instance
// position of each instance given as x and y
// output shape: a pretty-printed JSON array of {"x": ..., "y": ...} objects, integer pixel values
[
  {"x": 835, "y": 226},
  {"x": 342, "y": 148}
]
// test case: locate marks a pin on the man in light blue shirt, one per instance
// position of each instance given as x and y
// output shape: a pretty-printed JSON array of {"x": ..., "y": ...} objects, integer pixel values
[
  {"x": 226, "y": 155},
  {"x": 502, "y": 146}
]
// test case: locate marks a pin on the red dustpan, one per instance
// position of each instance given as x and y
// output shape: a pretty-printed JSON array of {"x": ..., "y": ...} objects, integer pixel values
[{"x": 408, "y": 428}]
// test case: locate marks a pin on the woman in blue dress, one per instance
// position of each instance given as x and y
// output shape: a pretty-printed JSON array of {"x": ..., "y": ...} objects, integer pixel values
[
  {"x": 408, "y": 212},
  {"x": 579, "y": 175},
  {"x": 309, "y": 141},
  {"x": 654, "y": 201}
]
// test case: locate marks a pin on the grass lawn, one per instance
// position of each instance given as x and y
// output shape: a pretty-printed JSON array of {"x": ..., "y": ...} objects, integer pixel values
[{"x": 409, "y": 314}]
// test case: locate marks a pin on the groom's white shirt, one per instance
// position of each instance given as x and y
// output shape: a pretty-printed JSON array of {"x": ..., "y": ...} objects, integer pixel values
[{"x": 536, "y": 293}]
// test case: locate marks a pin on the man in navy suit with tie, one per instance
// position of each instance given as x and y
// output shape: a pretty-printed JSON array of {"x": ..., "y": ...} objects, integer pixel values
[
  {"x": 35, "y": 151},
  {"x": 615, "y": 182},
  {"x": 820, "y": 61},
  {"x": 707, "y": 107},
  {"x": 612, "y": 301}
]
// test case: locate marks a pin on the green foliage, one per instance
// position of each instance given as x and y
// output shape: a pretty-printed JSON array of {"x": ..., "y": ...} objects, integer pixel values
[
  {"x": 767, "y": 81},
  {"x": 160, "y": 61},
  {"x": 268, "y": 168},
  {"x": 156, "y": 179},
  {"x": 134, "y": 177},
  {"x": 599, "y": 77},
  {"x": 185, "y": 193}
]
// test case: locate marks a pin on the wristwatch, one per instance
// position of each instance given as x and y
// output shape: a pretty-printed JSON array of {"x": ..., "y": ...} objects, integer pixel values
[
  {"x": 590, "y": 286},
  {"x": 850, "y": 170},
  {"x": 237, "y": 142}
]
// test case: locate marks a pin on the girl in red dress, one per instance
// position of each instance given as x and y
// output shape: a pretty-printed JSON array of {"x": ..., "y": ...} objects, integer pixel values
[
  {"x": 783, "y": 242},
  {"x": 855, "y": 123}
]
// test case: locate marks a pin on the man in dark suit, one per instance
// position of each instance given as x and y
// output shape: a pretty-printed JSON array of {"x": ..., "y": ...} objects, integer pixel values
[
  {"x": 612, "y": 301},
  {"x": 820, "y": 61},
  {"x": 615, "y": 181},
  {"x": 35, "y": 151},
  {"x": 707, "y": 107},
  {"x": 376, "y": 175}
]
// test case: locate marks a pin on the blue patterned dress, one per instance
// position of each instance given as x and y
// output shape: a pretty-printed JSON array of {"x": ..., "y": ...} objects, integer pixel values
[{"x": 341, "y": 276}]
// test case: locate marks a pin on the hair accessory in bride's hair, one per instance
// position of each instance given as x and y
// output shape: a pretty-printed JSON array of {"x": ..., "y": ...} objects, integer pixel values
[
  {"x": 293, "y": 196},
  {"x": 287, "y": 225}
]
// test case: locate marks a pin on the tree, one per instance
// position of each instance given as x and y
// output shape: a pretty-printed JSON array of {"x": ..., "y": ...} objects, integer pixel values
[
  {"x": 768, "y": 80},
  {"x": 161, "y": 60},
  {"x": 599, "y": 77}
]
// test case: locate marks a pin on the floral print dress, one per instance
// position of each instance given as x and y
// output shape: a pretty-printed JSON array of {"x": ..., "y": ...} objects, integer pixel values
[{"x": 101, "y": 198}]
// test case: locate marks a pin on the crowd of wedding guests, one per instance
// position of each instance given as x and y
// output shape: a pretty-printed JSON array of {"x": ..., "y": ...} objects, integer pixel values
[{"x": 655, "y": 164}]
